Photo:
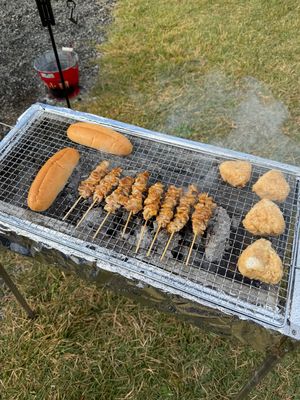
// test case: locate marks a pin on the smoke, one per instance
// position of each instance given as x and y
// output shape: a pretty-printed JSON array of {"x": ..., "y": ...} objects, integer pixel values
[
  {"x": 244, "y": 117},
  {"x": 259, "y": 120},
  {"x": 203, "y": 108}
]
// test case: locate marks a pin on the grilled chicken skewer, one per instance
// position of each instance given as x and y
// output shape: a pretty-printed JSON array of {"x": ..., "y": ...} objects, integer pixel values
[
  {"x": 182, "y": 214},
  {"x": 135, "y": 202},
  {"x": 200, "y": 218},
  {"x": 87, "y": 187},
  {"x": 151, "y": 207},
  {"x": 166, "y": 212},
  {"x": 118, "y": 198},
  {"x": 105, "y": 186}
]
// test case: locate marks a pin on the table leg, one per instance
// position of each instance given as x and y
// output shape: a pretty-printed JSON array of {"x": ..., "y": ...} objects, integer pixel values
[
  {"x": 16, "y": 292},
  {"x": 274, "y": 355}
]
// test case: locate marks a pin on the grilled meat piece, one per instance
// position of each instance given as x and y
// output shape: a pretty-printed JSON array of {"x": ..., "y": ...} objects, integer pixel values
[
  {"x": 135, "y": 202},
  {"x": 120, "y": 196},
  {"x": 202, "y": 214},
  {"x": 166, "y": 212},
  {"x": 86, "y": 190},
  {"x": 152, "y": 202},
  {"x": 186, "y": 202},
  {"x": 87, "y": 187},
  {"x": 107, "y": 184}
]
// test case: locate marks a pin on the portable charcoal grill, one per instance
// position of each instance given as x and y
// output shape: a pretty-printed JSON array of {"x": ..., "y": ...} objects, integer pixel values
[{"x": 210, "y": 279}]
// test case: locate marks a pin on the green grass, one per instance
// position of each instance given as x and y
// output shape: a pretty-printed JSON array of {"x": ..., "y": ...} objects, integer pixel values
[
  {"x": 160, "y": 54},
  {"x": 88, "y": 343},
  {"x": 162, "y": 59}
]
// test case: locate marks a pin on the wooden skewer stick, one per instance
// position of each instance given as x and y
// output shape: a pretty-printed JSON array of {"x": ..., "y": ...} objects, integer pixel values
[
  {"x": 100, "y": 226},
  {"x": 72, "y": 208},
  {"x": 153, "y": 241},
  {"x": 86, "y": 213},
  {"x": 141, "y": 237},
  {"x": 167, "y": 245},
  {"x": 191, "y": 249},
  {"x": 127, "y": 222}
]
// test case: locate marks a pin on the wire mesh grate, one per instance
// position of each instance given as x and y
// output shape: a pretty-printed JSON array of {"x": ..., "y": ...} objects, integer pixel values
[{"x": 167, "y": 163}]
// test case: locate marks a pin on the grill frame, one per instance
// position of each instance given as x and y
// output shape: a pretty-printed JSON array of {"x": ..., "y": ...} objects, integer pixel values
[{"x": 161, "y": 279}]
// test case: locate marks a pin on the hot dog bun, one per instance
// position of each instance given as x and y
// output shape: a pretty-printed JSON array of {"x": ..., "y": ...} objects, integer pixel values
[
  {"x": 51, "y": 179},
  {"x": 99, "y": 137}
]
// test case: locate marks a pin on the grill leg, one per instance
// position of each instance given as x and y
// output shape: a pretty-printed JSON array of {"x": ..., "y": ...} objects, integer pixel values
[
  {"x": 274, "y": 355},
  {"x": 16, "y": 292}
]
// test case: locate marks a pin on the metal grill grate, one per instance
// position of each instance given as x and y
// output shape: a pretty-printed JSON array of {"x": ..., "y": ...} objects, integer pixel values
[{"x": 46, "y": 134}]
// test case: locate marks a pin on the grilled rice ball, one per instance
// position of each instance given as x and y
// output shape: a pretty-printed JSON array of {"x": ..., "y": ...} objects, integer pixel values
[
  {"x": 272, "y": 186},
  {"x": 236, "y": 173},
  {"x": 264, "y": 218},
  {"x": 260, "y": 261}
]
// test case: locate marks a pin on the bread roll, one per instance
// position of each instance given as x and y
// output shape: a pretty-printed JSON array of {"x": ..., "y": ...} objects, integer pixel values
[
  {"x": 51, "y": 179},
  {"x": 99, "y": 137}
]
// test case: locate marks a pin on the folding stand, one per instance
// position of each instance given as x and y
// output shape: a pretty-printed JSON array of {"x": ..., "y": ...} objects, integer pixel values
[
  {"x": 8, "y": 281},
  {"x": 274, "y": 355}
]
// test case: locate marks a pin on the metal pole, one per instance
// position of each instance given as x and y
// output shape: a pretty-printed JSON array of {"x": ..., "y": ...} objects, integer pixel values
[
  {"x": 274, "y": 356},
  {"x": 16, "y": 292},
  {"x": 58, "y": 65}
]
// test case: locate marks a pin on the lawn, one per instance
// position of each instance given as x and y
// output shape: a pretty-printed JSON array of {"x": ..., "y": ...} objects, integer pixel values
[
  {"x": 190, "y": 59},
  {"x": 91, "y": 344},
  {"x": 183, "y": 68}
]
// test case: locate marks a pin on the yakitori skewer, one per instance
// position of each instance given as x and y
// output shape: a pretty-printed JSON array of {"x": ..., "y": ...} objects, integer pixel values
[
  {"x": 200, "y": 218},
  {"x": 87, "y": 187},
  {"x": 105, "y": 186},
  {"x": 135, "y": 202},
  {"x": 182, "y": 214},
  {"x": 167, "y": 246},
  {"x": 85, "y": 214},
  {"x": 151, "y": 207},
  {"x": 127, "y": 222},
  {"x": 166, "y": 212},
  {"x": 72, "y": 208},
  {"x": 118, "y": 198}
]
